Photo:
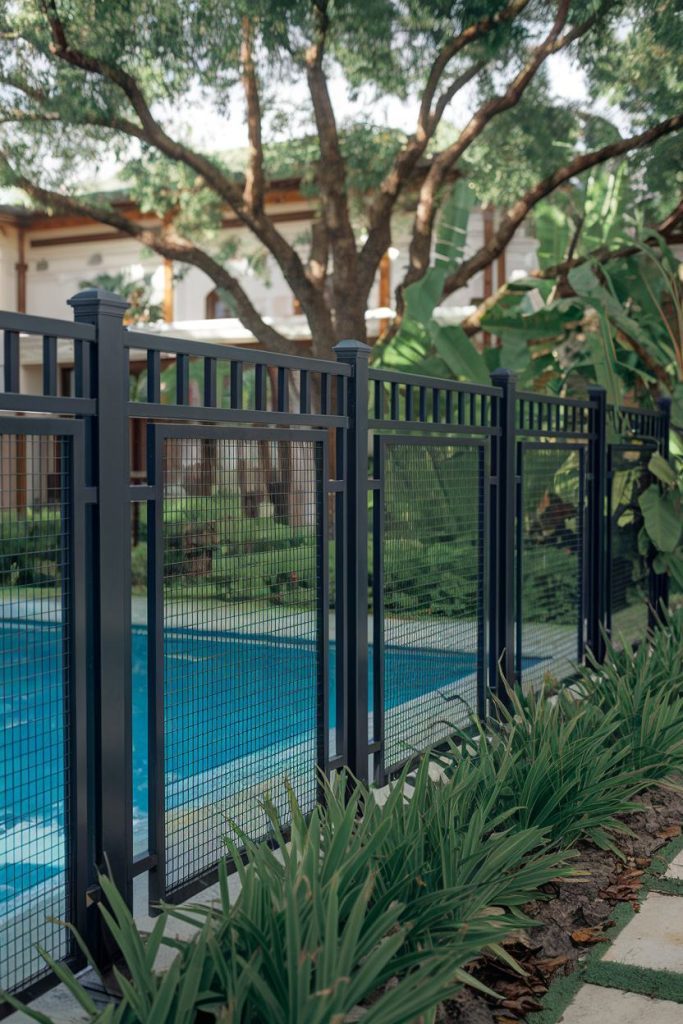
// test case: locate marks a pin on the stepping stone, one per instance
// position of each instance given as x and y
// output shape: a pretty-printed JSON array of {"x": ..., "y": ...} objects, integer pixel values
[
  {"x": 610, "y": 1006},
  {"x": 653, "y": 938},
  {"x": 675, "y": 869}
]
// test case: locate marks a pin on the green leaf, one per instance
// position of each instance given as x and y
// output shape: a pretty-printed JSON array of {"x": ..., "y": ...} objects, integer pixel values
[
  {"x": 662, "y": 519},
  {"x": 459, "y": 354},
  {"x": 663, "y": 470}
]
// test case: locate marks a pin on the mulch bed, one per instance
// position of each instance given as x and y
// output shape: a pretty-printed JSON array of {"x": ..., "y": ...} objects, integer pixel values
[{"x": 574, "y": 918}]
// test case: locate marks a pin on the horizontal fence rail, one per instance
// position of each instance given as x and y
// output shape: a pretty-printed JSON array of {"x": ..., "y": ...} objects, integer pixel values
[{"x": 226, "y": 573}]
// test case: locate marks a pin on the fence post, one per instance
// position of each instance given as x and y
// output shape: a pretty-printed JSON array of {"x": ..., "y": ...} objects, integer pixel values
[
  {"x": 108, "y": 471},
  {"x": 659, "y": 582},
  {"x": 597, "y": 523},
  {"x": 502, "y": 614},
  {"x": 355, "y": 354}
]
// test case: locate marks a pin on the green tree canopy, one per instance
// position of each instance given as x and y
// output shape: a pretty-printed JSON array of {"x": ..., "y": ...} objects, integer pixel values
[{"x": 82, "y": 80}]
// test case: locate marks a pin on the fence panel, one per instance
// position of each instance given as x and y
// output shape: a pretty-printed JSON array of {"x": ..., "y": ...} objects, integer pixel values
[
  {"x": 237, "y": 665},
  {"x": 431, "y": 483},
  {"x": 634, "y": 591},
  {"x": 44, "y": 840},
  {"x": 551, "y": 551},
  {"x": 429, "y": 589},
  {"x": 628, "y": 582}
]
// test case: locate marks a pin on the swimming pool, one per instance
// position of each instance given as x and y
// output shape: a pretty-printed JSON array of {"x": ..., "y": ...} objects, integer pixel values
[{"x": 281, "y": 672}]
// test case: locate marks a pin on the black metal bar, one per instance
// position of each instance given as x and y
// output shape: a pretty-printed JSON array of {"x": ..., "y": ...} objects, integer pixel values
[
  {"x": 260, "y": 388},
  {"x": 282, "y": 390},
  {"x": 83, "y": 383},
  {"x": 26, "y": 323},
  {"x": 236, "y": 385},
  {"x": 155, "y": 669},
  {"x": 597, "y": 503},
  {"x": 355, "y": 354},
  {"x": 226, "y": 353},
  {"x": 12, "y": 363},
  {"x": 518, "y": 533},
  {"x": 409, "y": 401},
  {"x": 582, "y": 581},
  {"x": 378, "y": 606},
  {"x": 502, "y": 557},
  {"x": 304, "y": 391},
  {"x": 340, "y": 582},
  {"x": 483, "y": 582},
  {"x": 430, "y": 428},
  {"x": 378, "y": 400},
  {"x": 323, "y": 625},
  {"x": 422, "y": 398},
  {"x": 460, "y": 387},
  {"x": 112, "y": 624},
  {"x": 210, "y": 393},
  {"x": 49, "y": 365},
  {"x": 182, "y": 372},
  {"x": 148, "y": 411},
  {"x": 153, "y": 377},
  {"x": 79, "y": 704}
]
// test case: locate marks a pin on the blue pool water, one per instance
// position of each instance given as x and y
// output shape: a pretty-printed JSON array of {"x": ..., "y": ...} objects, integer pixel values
[{"x": 266, "y": 685}]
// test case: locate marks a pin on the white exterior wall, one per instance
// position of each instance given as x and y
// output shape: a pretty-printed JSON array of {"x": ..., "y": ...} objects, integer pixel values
[{"x": 55, "y": 271}]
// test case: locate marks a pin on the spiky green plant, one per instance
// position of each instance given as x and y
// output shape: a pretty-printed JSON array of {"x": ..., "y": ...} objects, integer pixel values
[{"x": 555, "y": 767}]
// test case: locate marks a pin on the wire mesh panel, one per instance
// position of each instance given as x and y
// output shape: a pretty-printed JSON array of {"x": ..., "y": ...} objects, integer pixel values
[
  {"x": 429, "y": 590},
  {"x": 627, "y": 605},
  {"x": 242, "y": 536},
  {"x": 35, "y": 676},
  {"x": 550, "y": 559}
]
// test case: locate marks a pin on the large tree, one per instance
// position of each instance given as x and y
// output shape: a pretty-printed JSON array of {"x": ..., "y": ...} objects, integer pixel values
[{"x": 83, "y": 78}]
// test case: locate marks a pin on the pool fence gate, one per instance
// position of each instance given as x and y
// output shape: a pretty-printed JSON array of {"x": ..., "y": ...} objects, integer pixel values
[{"x": 224, "y": 571}]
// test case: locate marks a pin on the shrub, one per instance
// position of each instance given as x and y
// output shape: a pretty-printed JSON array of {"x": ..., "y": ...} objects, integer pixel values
[{"x": 30, "y": 547}]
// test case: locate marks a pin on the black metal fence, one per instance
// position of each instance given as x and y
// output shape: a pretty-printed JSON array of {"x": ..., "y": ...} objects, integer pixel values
[{"x": 224, "y": 570}]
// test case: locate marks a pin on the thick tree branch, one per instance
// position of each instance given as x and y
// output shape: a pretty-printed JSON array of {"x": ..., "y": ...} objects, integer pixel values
[
  {"x": 429, "y": 117},
  {"x": 318, "y": 254},
  {"x": 379, "y": 234},
  {"x": 602, "y": 254},
  {"x": 427, "y": 201},
  {"x": 254, "y": 187},
  {"x": 155, "y": 136},
  {"x": 165, "y": 242},
  {"x": 520, "y": 210},
  {"x": 349, "y": 316}
]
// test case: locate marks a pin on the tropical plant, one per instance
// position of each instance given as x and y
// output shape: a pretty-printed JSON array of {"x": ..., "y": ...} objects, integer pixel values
[{"x": 661, "y": 536}]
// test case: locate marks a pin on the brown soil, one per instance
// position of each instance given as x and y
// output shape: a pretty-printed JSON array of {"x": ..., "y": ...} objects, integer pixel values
[{"x": 573, "y": 918}]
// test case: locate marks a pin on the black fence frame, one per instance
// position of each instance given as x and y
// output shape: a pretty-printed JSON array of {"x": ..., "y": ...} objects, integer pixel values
[{"x": 342, "y": 404}]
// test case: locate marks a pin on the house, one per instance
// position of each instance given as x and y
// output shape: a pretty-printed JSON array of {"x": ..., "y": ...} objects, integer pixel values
[{"x": 45, "y": 258}]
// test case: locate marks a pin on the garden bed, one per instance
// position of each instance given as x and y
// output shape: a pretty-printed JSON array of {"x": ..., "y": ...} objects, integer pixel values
[{"x": 578, "y": 914}]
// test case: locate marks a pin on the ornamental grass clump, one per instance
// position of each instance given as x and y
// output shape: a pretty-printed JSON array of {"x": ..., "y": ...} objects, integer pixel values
[
  {"x": 554, "y": 765},
  {"x": 641, "y": 693}
]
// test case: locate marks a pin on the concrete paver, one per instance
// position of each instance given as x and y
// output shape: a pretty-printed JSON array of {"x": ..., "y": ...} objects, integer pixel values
[
  {"x": 675, "y": 869},
  {"x": 654, "y": 937},
  {"x": 592, "y": 1003}
]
